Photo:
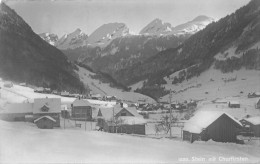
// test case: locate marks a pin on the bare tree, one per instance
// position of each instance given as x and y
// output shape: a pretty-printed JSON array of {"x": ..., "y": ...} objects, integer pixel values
[
  {"x": 166, "y": 121},
  {"x": 116, "y": 122}
]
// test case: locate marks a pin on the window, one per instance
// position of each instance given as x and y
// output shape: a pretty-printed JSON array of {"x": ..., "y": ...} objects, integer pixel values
[{"x": 123, "y": 114}]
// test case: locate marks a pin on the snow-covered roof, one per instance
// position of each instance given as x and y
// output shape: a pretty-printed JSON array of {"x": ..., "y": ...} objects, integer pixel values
[
  {"x": 202, "y": 119},
  {"x": 101, "y": 103},
  {"x": 129, "y": 120},
  {"x": 97, "y": 96},
  {"x": 64, "y": 93},
  {"x": 49, "y": 117},
  {"x": 133, "y": 111},
  {"x": 39, "y": 89},
  {"x": 54, "y": 105},
  {"x": 17, "y": 108},
  {"x": 234, "y": 102},
  {"x": 253, "y": 120},
  {"x": 257, "y": 93},
  {"x": 81, "y": 102}
]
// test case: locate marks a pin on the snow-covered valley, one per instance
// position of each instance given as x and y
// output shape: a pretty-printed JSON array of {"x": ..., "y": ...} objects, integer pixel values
[{"x": 97, "y": 87}]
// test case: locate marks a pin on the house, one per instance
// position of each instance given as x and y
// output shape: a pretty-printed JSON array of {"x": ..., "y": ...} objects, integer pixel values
[
  {"x": 254, "y": 94},
  {"x": 32, "y": 111},
  {"x": 22, "y": 84},
  {"x": 39, "y": 90},
  {"x": 45, "y": 122},
  {"x": 8, "y": 84},
  {"x": 258, "y": 104},
  {"x": 65, "y": 94},
  {"x": 96, "y": 97},
  {"x": 15, "y": 111},
  {"x": 121, "y": 120},
  {"x": 55, "y": 92},
  {"x": 216, "y": 125},
  {"x": 233, "y": 104},
  {"x": 110, "y": 98},
  {"x": 81, "y": 109},
  {"x": 130, "y": 111},
  {"x": 253, "y": 124},
  {"x": 47, "y": 107},
  {"x": 47, "y": 90}
]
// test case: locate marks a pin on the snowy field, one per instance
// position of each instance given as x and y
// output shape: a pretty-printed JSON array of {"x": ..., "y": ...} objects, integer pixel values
[
  {"x": 25, "y": 143},
  {"x": 19, "y": 94}
]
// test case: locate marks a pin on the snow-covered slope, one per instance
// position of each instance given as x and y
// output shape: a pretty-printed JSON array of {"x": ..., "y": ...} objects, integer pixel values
[
  {"x": 50, "y": 38},
  {"x": 25, "y": 143},
  {"x": 157, "y": 27},
  {"x": 107, "y": 32},
  {"x": 72, "y": 40},
  {"x": 19, "y": 94},
  {"x": 213, "y": 84},
  {"x": 193, "y": 26},
  {"x": 98, "y": 87}
]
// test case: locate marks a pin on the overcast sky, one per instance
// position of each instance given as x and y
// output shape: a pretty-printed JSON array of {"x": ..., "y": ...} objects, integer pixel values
[{"x": 64, "y": 16}]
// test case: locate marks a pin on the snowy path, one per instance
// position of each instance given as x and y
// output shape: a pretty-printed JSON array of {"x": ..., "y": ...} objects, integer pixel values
[{"x": 24, "y": 143}]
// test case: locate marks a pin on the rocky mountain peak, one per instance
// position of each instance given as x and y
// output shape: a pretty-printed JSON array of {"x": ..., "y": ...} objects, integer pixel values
[{"x": 156, "y": 27}]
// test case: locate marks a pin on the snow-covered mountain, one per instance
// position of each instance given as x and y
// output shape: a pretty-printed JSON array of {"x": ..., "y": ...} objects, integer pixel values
[
  {"x": 193, "y": 26},
  {"x": 106, "y": 33},
  {"x": 72, "y": 40},
  {"x": 157, "y": 27},
  {"x": 50, "y": 38}
]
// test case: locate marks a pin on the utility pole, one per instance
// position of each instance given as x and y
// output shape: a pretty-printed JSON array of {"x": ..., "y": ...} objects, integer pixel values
[
  {"x": 113, "y": 121},
  {"x": 170, "y": 99},
  {"x": 86, "y": 122},
  {"x": 64, "y": 119}
]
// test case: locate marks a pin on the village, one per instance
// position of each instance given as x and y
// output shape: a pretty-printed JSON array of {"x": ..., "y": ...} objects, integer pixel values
[{"x": 234, "y": 120}]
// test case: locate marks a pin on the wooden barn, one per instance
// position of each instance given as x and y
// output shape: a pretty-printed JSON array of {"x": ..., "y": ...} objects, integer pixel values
[
  {"x": 233, "y": 104},
  {"x": 215, "y": 125},
  {"x": 121, "y": 120},
  {"x": 253, "y": 124},
  {"x": 81, "y": 110},
  {"x": 47, "y": 107},
  {"x": 45, "y": 122}
]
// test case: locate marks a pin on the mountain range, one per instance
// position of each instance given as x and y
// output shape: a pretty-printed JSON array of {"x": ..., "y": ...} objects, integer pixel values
[
  {"x": 103, "y": 35},
  {"x": 161, "y": 50},
  {"x": 157, "y": 52},
  {"x": 112, "y": 47}
]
